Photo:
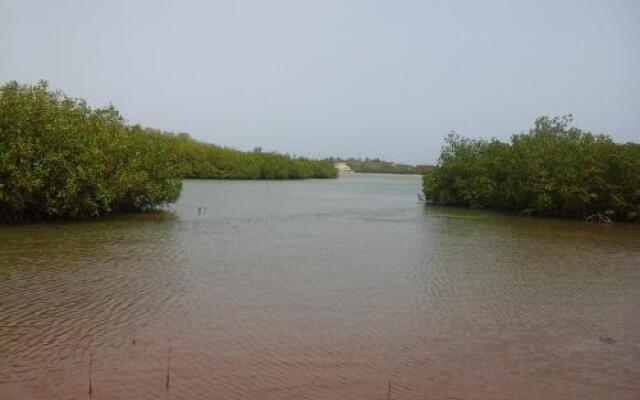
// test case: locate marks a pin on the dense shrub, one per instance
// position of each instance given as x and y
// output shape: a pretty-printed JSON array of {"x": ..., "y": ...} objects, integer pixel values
[
  {"x": 553, "y": 170},
  {"x": 61, "y": 158},
  {"x": 199, "y": 160}
]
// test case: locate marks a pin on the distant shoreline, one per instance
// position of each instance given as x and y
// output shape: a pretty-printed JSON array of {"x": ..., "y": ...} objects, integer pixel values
[{"x": 378, "y": 173}]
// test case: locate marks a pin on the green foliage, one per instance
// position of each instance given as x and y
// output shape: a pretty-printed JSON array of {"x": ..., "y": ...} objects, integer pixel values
[
  {"x": 60, "y": 158},
  {"x": 199, "y": 160},
  {"x": 553, "y": 170}
]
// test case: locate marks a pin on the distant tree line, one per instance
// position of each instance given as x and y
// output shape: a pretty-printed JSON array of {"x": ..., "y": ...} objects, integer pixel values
[
  {"x": 195, "y": 159},
  {"x": 376, "y": 165},
  {"x": 61, "y": 158},
  {"x": 553, "y": 170}
]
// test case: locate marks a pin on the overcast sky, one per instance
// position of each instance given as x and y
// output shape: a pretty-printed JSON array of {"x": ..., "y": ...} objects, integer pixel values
[{"x": 324, "y": 78}]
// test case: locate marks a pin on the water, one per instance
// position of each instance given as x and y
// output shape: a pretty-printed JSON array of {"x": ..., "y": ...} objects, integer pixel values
[{"x": 319, "y": 290}]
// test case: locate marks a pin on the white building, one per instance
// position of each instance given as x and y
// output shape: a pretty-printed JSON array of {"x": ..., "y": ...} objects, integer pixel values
[{"x": 342, "y": 167}]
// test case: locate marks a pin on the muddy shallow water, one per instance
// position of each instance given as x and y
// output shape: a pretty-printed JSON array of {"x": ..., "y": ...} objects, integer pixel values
[{"x": 320, "y": 289}]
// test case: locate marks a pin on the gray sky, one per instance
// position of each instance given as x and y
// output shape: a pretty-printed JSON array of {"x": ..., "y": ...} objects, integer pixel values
[{"x": 382, "y": 79}]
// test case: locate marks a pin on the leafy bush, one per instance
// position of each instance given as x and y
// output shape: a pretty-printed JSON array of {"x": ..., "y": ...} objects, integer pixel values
[
  {"x": 198, "y": 160},
  {"x": 553, "y": 170},
  {"x": 61, "y": 158}
]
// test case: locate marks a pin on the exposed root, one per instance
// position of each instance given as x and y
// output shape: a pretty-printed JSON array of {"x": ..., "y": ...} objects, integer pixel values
[{"x": 599, "y": 218}]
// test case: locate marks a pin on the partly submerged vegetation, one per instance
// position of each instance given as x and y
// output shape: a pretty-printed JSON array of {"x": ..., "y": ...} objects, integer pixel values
[
  {"x": 378, "y": 166},
  {"x": 61, "y": 158},
  {"x": 553, "y": 170}
]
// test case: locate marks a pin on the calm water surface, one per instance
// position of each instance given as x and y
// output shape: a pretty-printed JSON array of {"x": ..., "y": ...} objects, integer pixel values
[{"x": 319, "y": 290}]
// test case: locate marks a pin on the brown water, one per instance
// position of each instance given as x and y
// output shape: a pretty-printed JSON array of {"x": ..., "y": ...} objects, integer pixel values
[{"x": 319, "y": 290}]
